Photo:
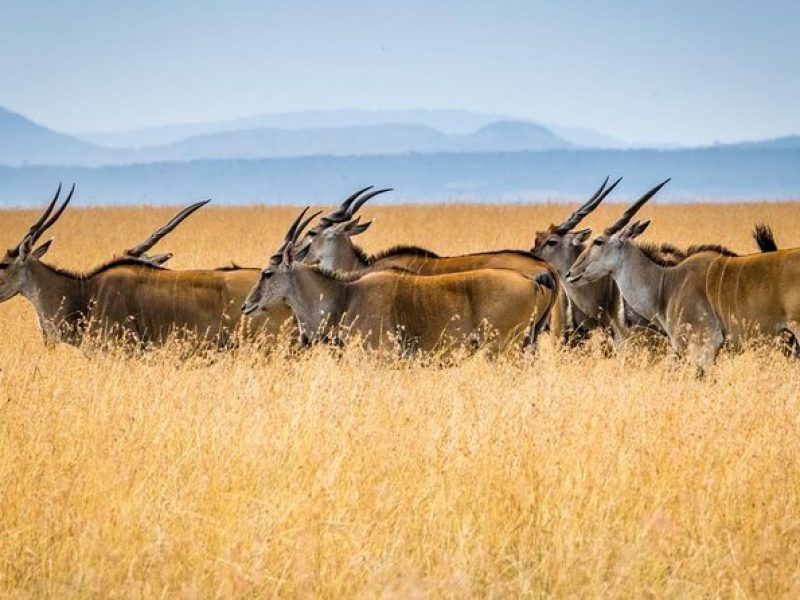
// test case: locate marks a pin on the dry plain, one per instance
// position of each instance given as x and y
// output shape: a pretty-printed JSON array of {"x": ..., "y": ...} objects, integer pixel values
[{"x": 573, "y": 474}]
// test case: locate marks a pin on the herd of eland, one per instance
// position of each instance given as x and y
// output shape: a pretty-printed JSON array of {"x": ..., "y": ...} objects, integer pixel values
[{"x": 322, "y": 287}]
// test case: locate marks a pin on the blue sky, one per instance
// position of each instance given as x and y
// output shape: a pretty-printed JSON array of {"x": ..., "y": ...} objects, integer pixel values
[{"x": 644, "y": 71}]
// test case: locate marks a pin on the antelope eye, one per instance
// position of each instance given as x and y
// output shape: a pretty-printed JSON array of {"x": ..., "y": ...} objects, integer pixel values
[
  {"x": 599, "y": 242},
  {"x": 552, "y": 242},
  {"x": 3, "y": 266}
]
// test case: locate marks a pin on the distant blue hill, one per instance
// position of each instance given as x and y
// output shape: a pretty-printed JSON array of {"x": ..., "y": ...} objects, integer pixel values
[
  {"x": 349, "y": 141},
  {"x": 23, "y": 142},
  {"x": 720, "y": 173},
  {"x": 447, "y": 121}
]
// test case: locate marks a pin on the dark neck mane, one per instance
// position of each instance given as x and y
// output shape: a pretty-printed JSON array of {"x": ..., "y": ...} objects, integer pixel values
[
  {"x": 696, "y": 249},
  {"x": 362, "y": 256},
  {"x": 667, "y": 255},
  {"x": 526, "y": 253},
  {"x": 350, "y": 276},
  {"x": 394, "y": 251},
  {"x": 664, "y": 255},
  {"x": 118, "y": 262}
]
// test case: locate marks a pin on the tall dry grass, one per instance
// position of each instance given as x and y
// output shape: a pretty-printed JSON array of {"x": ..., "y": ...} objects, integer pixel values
[{"x": 575, "y": 474}]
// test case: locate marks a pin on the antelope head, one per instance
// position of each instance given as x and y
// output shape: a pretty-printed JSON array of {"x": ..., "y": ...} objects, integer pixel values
[
  {"x": 273, "y": 284},
  {"x": 607, "y": 251},
  {"x": 561, "y": 244},
  {"x": 328, "y": 244},
  {"x": 15, "y": 265}
]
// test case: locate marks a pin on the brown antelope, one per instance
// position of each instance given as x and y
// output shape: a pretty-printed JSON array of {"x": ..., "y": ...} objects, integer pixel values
[
  {"x": 330, "y": 247},
  {"x": 421, "y": 312},
  {"x": 128, "y": 299},
  {"x": 139, "y": 252},
  {"x": 706, "y": 299},
  {"x": 597, "y": 305}
]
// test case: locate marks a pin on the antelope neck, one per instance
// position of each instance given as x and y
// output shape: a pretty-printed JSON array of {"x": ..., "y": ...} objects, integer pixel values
[
  {"x": 640, "y": 281},
  {"x": 314, "y": 296}
]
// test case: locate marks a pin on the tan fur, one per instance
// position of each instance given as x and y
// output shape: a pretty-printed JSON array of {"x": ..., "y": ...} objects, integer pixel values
[
  {"x": 705, "y": 300},
  {"x": 129, "y": 299},
  {"x": 144, "y": 304},
  {"x": 332, "y": 249},
  {"x": 501, "y": 259},
  {"x": 752, "y": 295},
  {"x": 423, "y": 312}
]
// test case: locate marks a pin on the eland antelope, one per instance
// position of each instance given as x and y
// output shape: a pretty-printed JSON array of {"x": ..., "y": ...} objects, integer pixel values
[
  {"x": 595, "y": 305},
  {"x": 329, "y": 246},
  {"x": 129, "y": 299},
  {"x": 421, "y": 312},
  {"x": 705, "y": 300},
  {"x": 599, "y": 304}
]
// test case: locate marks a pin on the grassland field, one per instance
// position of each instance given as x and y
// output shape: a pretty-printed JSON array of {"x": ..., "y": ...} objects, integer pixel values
[{"x": 574, "y": 474}]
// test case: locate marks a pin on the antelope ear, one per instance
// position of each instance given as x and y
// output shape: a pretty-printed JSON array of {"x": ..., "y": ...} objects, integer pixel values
[
  {"x": 580, "y": 236},
  {"x": 288, "y": 255},
  {"x": 354, "y": 227},
  {"x": 339, "y": 227},
  {"x": 160, "y": 259},
  {"x": 24, "y": 248},
  {"x": 301, "y": 252},
  {"x": 634, "y": 230},
  {"x": 42, "y": 250}
]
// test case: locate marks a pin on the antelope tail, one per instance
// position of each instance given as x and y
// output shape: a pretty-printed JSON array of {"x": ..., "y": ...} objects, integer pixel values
[
  {"x": 546, "y": 280},
  {"x": 549, "y": 281},
  {"x": 762, "y": 234}
]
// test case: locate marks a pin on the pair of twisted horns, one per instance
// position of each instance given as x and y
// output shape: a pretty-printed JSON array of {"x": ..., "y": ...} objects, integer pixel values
[
  {"x": 634, "y": 208},
  {"x": 350, "y": 206},
  {"x": 292, "y": 235},
  {"x": 48, "y": 218},
  {"x": 299, "y": 224},
  {"x": 592, "y": 203}
]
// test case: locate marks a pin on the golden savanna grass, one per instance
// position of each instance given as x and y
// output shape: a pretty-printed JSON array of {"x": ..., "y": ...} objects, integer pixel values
[{"x": 573, "y": 474}]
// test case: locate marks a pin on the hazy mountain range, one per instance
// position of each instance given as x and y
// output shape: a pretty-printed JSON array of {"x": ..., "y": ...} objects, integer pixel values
[
  {"x": 348, "y": 141},
  {"x": 451, "y": 122},
  {"x": 312, "y": 133},
  {"x": 427, "y": 155},
  {"x": 23, "y": 142}
]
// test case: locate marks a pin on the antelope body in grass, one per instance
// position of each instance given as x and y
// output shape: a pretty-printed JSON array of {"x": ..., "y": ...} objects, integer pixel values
[
  {"x": 707, "y": 299},
  {"x": 329, "y": 246},
  {"x": 422, "y": 312},
  {"x": 595, "y": 305},
  {"x": 127, "y": 299},
  {"x": 585, "y": 306}
]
